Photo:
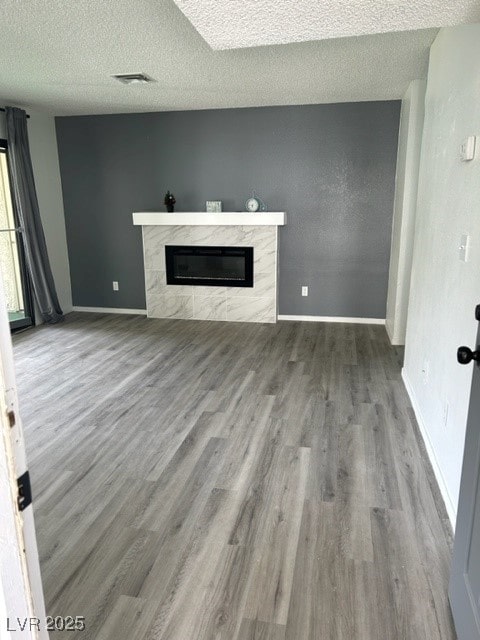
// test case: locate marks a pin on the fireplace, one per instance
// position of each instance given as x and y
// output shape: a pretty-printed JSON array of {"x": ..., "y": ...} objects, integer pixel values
[
  {"x": 235, "y": 300},
  {"x": 209, "y": 266}
]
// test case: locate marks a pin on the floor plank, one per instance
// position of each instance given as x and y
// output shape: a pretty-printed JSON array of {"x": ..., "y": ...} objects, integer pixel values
[{"x": 208, "y": 480}]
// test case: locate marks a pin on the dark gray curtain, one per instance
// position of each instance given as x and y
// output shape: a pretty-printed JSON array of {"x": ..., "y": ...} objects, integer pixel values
[{"x": 26, "y": 207}]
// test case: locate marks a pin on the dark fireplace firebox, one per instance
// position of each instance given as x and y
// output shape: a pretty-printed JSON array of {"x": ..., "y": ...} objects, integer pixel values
[{"x": 210, "y": 266}]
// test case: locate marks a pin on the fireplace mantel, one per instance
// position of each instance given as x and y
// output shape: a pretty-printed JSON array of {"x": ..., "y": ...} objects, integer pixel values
[{"x": 200, "y": 218}]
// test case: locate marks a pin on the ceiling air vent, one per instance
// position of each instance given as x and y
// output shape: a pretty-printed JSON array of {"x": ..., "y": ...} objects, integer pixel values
[{"x": 133, "y": 78}]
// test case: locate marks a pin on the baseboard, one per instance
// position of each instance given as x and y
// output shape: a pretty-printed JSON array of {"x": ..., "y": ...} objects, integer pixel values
[
  {"x": 136, "y": 312},
  {"x": 333, "y": 319},
  {"x": 450, "y": 507}
]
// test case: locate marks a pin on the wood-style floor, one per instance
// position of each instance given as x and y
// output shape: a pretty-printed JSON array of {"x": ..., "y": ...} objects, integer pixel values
[{"x": 223, "y": 481}]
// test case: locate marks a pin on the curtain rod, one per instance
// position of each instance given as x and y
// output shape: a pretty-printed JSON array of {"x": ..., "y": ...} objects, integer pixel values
[{"x": 2, "y": 109}]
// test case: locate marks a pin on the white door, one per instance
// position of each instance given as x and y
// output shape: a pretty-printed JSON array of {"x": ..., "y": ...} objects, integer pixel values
[
  {"x": 464, "y": 588},
  {"x": 22, "y": 607}
]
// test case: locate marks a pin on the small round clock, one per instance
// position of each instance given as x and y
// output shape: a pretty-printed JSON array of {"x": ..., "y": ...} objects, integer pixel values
[{"x": 252, "y": 204}]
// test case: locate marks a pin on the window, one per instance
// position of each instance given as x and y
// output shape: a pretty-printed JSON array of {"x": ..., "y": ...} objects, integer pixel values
[{"x": 12, "y": 264}]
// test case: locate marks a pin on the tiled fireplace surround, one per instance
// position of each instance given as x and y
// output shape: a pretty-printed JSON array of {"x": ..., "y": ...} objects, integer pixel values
[{"x": 235, "y": 304}]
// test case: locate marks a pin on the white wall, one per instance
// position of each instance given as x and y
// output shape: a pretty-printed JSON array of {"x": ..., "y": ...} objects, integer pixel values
[
  {"x": 43, "y": 149},
  {"x": 444, "y": 290},
  {"x": 405, "y": 206}
]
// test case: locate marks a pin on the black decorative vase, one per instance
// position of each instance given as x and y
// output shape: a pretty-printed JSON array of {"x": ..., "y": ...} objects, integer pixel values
[{"x": 170, "y": 208}]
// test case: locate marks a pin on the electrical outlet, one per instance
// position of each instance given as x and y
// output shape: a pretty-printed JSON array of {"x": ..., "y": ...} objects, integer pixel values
[
  {"x": 304, "y": 291},
  {"x": 115, "y": 285}
]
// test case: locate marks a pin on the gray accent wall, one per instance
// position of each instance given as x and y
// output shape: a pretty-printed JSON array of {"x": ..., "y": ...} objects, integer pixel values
[{"x": 330, "y": 167}]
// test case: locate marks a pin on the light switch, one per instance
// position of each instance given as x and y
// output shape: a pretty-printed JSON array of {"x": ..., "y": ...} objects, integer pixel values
[
  {"x": 464, "y": 247},
  {"x": 467, "y": 149}
]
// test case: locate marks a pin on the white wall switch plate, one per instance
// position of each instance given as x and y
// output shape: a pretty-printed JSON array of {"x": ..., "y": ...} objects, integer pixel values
[
  {"x": 304, "y": 291},
  {"x": 467, "y": 149},
  {"x": 464, "y": 247},
  {"x": 115, "y": 285}
]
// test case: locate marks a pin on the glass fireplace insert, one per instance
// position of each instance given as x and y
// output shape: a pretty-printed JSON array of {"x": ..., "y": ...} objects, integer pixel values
[{"x": 209, "y": 266}]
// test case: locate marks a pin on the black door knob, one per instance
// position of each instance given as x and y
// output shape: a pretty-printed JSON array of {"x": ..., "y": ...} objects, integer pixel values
[{"x": 466, "y": 355}]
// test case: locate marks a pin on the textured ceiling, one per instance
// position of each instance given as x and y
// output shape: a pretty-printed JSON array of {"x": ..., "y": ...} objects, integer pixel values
[
  {"x": 58, "y": 57},
  {"x": 232, "y": 24}
]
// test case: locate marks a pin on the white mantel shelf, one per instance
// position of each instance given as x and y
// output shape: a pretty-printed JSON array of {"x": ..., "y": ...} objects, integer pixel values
[{"x": 199, "y": 218}]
